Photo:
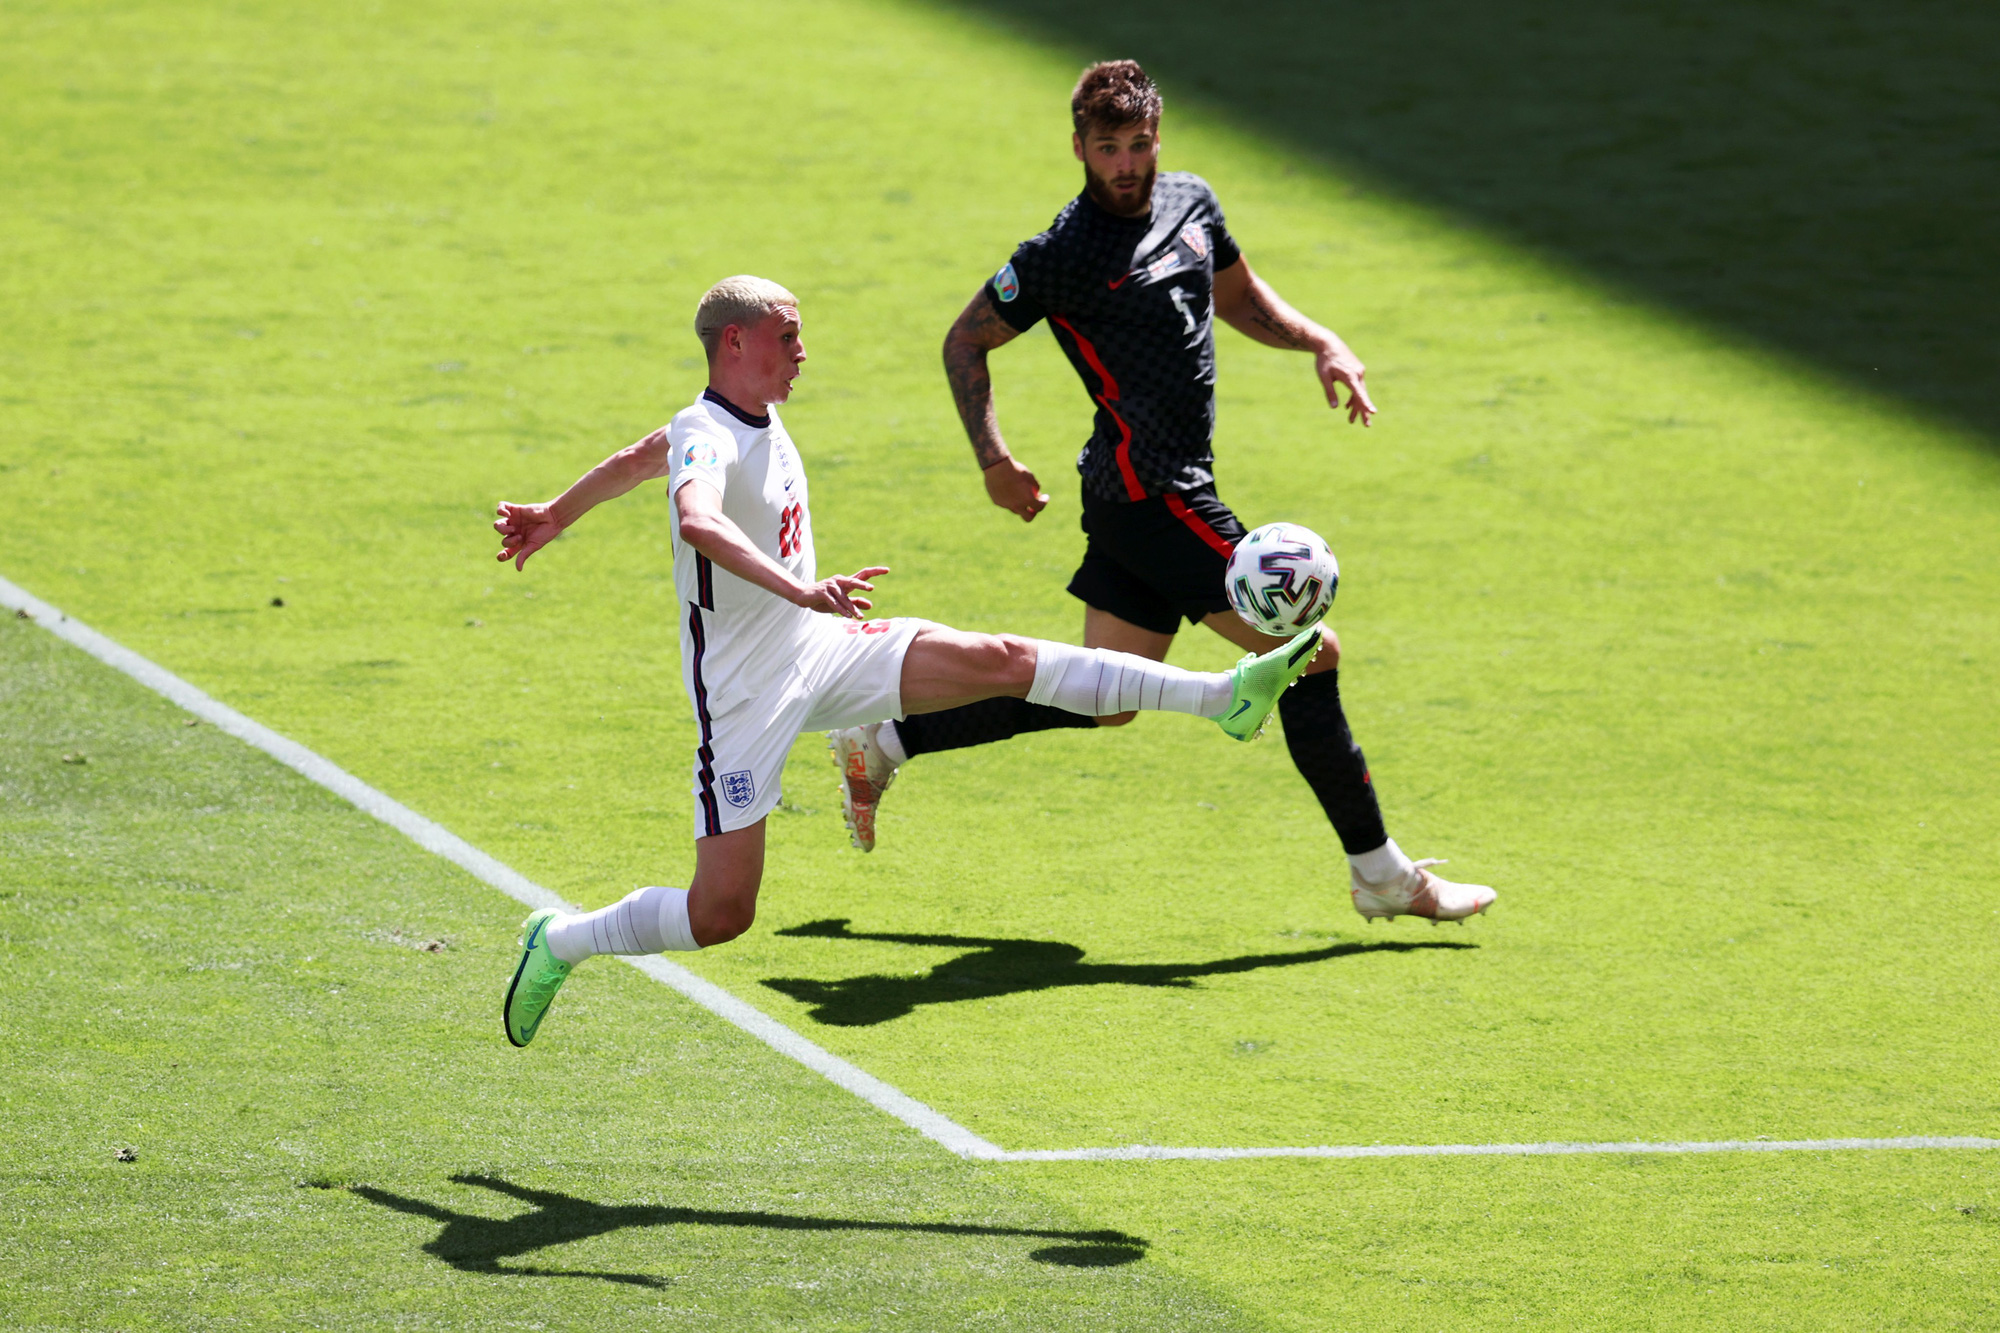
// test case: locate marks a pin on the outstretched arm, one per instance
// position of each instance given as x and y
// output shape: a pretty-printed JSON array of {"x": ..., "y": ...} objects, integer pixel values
[
  {"x": 705, "y": 527},
  {"x": 526, "y": 528},
  {"x": 1250, "y": 306},
  {"x": 978, "y": 330}
]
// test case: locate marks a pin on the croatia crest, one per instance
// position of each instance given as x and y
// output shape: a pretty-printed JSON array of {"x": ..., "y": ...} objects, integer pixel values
[
  {"x": 1195, "y": 239},
  {"x": 1005, "y": 285},
  {"x": 738, "y": 788}
]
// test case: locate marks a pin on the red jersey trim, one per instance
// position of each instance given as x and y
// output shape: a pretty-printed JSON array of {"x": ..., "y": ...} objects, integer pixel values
[
  {"x": 1107, "y": 394},
  {"x": 1198, "y": 525}
]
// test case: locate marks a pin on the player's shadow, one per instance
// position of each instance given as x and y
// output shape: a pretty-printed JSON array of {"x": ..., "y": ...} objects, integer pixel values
[
  {"x": 1010, "y": 966},
  {"x": 476, "y": 1244},
  {"x": 1817, "y": 174}
]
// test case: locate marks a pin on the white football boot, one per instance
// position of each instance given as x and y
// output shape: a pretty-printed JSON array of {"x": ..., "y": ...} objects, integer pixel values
[
  {"x": 1420, "y": 893},
  {"x": 865, "y": 773}
]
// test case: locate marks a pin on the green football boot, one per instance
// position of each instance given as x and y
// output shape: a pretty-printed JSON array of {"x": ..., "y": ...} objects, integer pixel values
[
  {"x": 1256, "y": 682},
  {"x": 536, "y": 981}
]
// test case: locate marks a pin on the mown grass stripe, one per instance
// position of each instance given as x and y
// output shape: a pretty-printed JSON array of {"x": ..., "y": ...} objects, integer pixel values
[{"x": 434, "y": 837}]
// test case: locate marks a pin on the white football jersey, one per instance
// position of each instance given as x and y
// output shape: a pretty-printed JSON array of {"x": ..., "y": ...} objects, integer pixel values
[{"x": 737, "y": 638}]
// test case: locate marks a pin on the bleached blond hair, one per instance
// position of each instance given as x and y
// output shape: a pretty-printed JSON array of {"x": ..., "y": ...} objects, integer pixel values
[{"x": 742, "y": 300}]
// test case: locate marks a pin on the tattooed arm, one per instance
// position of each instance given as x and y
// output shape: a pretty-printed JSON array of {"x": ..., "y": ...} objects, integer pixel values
[
  {"x": 978, "y": 331},
  {"x": 1249, "y": 305}
]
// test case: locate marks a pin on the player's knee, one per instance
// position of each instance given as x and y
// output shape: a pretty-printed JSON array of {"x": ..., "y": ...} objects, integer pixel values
[
  {"x": 1329, "y": 652},
  {"x": 719, "y": 915},
  {"x": 726, "y": 921},
  {"x": 1014, "y": 661},
  {"x": 1116, "y": 719}
]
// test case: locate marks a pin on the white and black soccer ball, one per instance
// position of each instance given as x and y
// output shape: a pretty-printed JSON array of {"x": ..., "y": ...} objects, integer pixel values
[{"x": 1282, "y": 578}]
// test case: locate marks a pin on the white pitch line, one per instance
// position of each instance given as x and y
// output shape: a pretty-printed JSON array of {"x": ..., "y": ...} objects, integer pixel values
[
  {"x": 435, "y": 838},
  {"x": 1143, "y": 1153}
]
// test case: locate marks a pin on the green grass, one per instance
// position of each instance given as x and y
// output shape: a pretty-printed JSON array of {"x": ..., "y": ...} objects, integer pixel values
[
  {"x": 1686, "y": 648},
  {"x": 289, "y": 1013}
]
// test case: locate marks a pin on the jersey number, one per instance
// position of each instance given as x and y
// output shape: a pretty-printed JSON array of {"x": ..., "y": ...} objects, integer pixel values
[
  {"x": 1180, "y": 304},
  {"x": 791, "y": 530}
]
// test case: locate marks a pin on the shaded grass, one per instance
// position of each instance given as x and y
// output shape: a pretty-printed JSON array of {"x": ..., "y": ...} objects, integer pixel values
[{"x": 1811, "y": 174}]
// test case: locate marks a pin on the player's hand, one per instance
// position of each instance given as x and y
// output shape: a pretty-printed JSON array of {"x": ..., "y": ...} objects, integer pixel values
[
  {"x": 1337, "y": 366},
  {"x": 524, "y": 530},
  {"x": 1015, "y": 489},
  {"x": 837, "y": 593}
]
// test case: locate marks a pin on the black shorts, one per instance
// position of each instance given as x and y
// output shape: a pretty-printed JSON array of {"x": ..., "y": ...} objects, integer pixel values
[{"x": 1153, "y": 561}]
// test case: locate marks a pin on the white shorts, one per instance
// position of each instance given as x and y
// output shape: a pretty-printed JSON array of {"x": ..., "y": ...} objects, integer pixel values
[{"x": 849, "y": 673}]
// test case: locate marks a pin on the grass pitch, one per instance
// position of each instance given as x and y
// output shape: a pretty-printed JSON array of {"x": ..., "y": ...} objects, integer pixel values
[
  {"x": 280, "y": 1009},
  {"x": 1686, "y": 648}
]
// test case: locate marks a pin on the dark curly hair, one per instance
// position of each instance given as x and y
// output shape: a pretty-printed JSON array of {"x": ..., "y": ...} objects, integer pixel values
[{"x": 1113, "y": 93}]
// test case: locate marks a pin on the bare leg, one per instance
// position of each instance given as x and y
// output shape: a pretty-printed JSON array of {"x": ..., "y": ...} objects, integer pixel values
[
  {"x": 728, "y": 869},
  {"x": 946, "y": 668},
  {"x": 962, "y": 689}
]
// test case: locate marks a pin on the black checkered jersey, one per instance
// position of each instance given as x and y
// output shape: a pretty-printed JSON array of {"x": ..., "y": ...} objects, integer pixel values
[{"x": 1131, "y": 302}]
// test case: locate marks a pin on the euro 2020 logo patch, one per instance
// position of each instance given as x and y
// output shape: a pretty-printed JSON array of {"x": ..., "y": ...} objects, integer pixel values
[
  {"x": 700, "y": 453},
  {"x": 1005, "y": 285},
  {"x": 739, "y": 788}
]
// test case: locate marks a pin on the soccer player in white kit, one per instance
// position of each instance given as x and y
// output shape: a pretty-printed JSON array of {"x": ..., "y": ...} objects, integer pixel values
[{"x": 769, "y": 649}]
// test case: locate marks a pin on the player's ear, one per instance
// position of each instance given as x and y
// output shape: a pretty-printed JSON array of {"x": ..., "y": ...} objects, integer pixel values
[{"x": 1076, "y": 144}]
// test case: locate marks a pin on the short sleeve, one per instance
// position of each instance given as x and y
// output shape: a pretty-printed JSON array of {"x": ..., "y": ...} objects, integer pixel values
[
  {"x": 1227, "y": 252},
  {"x": 702, "y": 451},
  {"x": 1011, "y": 295}
]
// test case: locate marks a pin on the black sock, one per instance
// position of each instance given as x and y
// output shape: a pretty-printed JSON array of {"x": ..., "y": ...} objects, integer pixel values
[
  {"x": 1331, "y": 763},
  {"x": 977, "y": 724}
]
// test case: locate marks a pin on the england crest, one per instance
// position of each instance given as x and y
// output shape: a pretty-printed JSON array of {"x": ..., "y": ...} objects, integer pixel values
[
  {"x": 739, "y": 788},
  {"x": 1195, "y": 239}
]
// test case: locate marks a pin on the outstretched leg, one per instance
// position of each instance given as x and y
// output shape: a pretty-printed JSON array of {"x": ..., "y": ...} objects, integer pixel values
[
  {"x": 945, "y": 667},
  {"x": 1118, "y": 674},
  {"x": 1003, "y": 718},
  {"x": 869, "y": 756}
]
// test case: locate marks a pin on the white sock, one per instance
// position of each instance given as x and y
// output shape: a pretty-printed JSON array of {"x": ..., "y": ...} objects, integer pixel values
[
  {"x": 1385, "y": 865},
  {"x": 1098, "y": 682},
  {"x": 650, "y": 920},
  {"x": 891, "y": 742}
]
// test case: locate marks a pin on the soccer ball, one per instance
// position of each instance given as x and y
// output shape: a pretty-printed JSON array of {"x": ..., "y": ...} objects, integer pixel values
[{"x": 1282, "y": 578}]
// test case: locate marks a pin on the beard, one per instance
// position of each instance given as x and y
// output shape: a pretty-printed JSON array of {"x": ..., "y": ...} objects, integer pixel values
[{"x": 1100, "y": 194}]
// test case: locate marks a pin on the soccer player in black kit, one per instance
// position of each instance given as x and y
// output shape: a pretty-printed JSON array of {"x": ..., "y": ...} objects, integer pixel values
[{"x": 1131, "y": 276}]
